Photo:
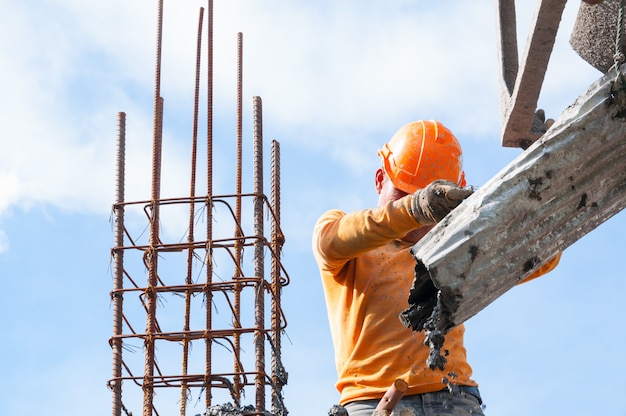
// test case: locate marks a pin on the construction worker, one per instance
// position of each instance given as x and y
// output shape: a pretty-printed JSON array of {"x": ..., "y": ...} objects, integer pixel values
[{"x": 367, "y": 271}]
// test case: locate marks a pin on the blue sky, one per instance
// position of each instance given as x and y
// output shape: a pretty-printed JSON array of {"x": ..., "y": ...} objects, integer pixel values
[{"x": 337, "y": 79}]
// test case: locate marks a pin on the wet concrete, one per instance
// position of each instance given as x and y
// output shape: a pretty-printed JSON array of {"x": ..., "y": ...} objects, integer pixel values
[
  {"x": 228, "y": 409},
  {"x": 431, "y": 311},
  {"x": 337, "y": 410}
]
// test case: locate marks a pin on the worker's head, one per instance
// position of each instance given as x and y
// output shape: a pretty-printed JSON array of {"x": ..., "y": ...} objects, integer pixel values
[{"x": 420, "y": 153}]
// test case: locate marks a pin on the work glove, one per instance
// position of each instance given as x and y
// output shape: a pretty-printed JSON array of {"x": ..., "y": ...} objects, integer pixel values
[
  {"x": 540, "y": 125},
  {"x": 434, "y": 202}
]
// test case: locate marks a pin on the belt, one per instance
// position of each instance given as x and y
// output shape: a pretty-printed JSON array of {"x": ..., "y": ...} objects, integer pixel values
[{"x": 473, "y": 390}]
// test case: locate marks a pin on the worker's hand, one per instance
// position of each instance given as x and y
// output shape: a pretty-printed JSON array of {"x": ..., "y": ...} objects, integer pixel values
[
  {"x": 434, "y": 202},
  {"x": 540, "y": 124}
]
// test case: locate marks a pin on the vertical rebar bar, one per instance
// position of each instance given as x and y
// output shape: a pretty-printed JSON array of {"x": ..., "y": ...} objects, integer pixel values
[
  {"x": 118, "y": 265},
  {"x": 277, "y": 242},
  {"x": 238, "y": 233},
  {"x": 190, "y": 234},
  {"x": 152, "y": 252},
  {"x": 259, "y": 245},
  {"x": 209, "y": 209},
  {"x": 152, "y": 255}
]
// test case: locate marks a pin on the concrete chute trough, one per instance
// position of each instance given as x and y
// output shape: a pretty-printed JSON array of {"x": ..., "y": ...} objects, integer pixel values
[{"x": 562, "y": 187}]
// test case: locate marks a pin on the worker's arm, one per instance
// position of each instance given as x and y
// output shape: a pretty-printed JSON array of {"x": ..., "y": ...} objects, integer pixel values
[{"x": 339, "y": 237}]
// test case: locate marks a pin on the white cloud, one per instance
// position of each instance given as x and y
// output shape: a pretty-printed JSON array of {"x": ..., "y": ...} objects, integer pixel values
[
  {"x": 4, "y": 242},
  {"x": 369, "y": 63},
  {"x": 329, "y": 77}
]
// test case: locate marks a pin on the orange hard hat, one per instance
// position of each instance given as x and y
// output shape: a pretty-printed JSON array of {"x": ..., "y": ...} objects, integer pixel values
[{"x": 422, "y": 152}]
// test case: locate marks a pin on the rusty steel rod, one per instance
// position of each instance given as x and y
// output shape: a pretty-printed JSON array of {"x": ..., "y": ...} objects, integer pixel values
[
  {"x": 278, "y": 378},
  {"x": 118, "y": 265},
  {"x": 238, "y": 187},
  {"x": 209, "y": 206},
  {"x": 190, "y": 232},
  {"x": 151, "y": 261},
  {"x": 259, "y": 271},
  {"x": 152, "y": 255}
]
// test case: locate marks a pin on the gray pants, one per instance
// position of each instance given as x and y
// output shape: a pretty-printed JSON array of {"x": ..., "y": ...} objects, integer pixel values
[{"x": 467, "y": 401}]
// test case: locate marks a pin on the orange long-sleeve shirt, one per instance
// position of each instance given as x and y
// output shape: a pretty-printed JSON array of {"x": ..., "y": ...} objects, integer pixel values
[{"x": 367, "y": 272}]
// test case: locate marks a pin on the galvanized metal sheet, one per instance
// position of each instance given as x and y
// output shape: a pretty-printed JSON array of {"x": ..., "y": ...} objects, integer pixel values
[{"x": 559, "y": 189}]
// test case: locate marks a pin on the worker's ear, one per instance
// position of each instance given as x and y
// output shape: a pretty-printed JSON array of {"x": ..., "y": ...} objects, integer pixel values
[{"x": 379, "y": 178}]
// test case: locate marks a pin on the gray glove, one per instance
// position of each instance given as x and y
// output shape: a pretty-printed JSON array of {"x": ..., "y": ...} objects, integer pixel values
[{"x": 434, "y": 202}]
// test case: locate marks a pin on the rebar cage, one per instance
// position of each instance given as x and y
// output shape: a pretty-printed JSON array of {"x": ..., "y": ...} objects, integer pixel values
[{"x": 197, "y": 318}]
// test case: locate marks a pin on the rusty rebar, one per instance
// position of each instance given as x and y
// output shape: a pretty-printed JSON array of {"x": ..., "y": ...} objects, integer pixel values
[
  {"x": 190, "y": 232},
  {"x": 118, "y": 265},
  {"x": 152, "y": 255},
  {"x": 259, "y": 268},
  {"x": 277, "y": 243},
  {"x": 238, "y": 191},
  {"x": 209, "y": 206}
]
